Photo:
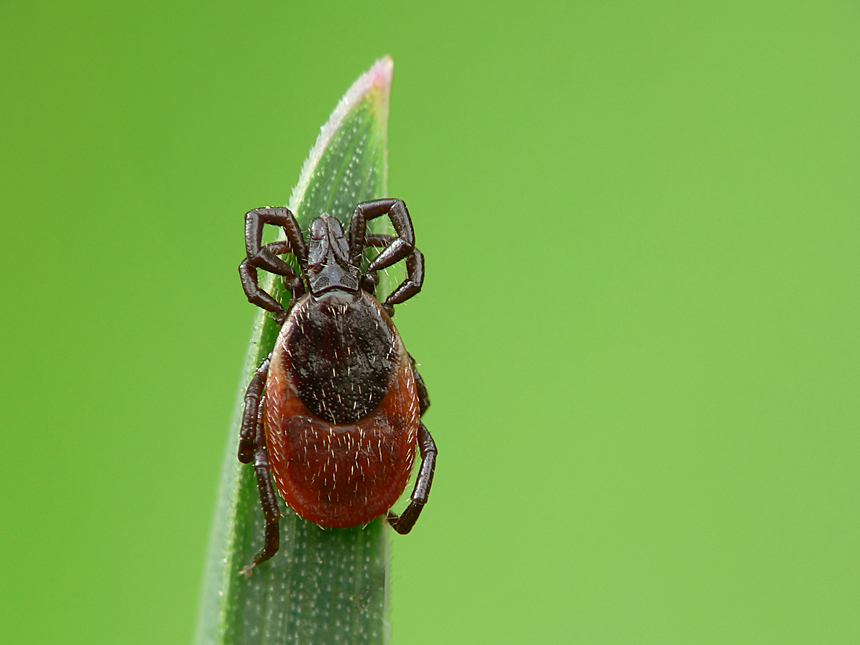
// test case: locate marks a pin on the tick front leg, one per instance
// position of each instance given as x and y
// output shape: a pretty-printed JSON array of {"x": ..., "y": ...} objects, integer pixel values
[
  {"x": 265, "y": 257},
  {"x": 421, "y": 492},
  {"x": 399, "y": 216},
  {"x": 414, "y": 272},
  {"x": 413, "y": 282},
  {"x": 255, "y": 220}
]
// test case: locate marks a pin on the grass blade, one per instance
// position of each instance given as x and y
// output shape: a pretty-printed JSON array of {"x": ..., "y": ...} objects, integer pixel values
[{"x": 323, "y": 586}]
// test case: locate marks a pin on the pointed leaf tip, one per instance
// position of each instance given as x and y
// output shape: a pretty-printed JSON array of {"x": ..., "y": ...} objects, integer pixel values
[{"x": 371, "y": 89}]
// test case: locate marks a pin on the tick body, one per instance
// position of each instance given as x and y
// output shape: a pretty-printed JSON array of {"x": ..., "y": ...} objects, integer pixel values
[
  {"x": 334, "y": 414},
  {"x": 341, "y": 410}
]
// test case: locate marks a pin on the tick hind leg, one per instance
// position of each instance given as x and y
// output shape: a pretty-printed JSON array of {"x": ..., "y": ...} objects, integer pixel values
[
  {"x": 423, "y": 397},
  {"x": 427, "y": 447},
  {"x": 252, "y": 447}
]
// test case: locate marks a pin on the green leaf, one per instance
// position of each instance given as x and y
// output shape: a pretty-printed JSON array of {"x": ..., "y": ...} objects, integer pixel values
[{"x": 323, "y": 586}]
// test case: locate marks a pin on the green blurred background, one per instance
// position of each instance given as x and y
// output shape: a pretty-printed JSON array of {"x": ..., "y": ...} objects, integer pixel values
[{"x": 639, "y": 325}]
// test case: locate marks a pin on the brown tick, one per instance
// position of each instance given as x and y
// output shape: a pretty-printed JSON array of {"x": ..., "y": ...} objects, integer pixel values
[{"x": 334, "y": 413}]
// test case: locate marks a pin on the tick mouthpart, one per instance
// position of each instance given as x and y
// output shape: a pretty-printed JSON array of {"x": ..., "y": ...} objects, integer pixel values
[
  {"x": 326, "y": 239},
  {"x": 332, "y": 276},
  {"x": 328, "y": 260}
]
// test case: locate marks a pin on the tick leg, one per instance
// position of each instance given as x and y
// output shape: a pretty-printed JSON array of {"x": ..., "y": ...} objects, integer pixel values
[
  {"x": 413, "y": 282},
  {"x": 252, "y": 447},
  {"x": 280, "y": 216},
  {"x": 423, "y": 397},
  {"x": 403, "y": 243},
  {"x": 420, "y": 493},
  {"x": 414, "y": 272},
  {"x": 250, "y": 415},
  {"x": 268, "y": 499},
  {"x": 266, "y": 256}
]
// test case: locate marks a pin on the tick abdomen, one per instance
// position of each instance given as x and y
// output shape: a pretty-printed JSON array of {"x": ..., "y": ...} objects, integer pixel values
[{"x": 341, "y": 410}]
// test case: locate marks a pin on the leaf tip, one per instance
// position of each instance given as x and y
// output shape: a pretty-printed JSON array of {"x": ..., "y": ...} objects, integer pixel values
[
  {"x": 380, "y": 74},
  {"x": 373, "y": 88},
  {"x": 374, "y": 85}
]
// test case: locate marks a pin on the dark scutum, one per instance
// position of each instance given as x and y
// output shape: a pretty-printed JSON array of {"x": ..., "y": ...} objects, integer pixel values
[{"x": 342, "y": 354}]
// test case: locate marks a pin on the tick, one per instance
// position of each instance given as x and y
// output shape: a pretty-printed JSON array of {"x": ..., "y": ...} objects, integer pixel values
[{"x": 333, "y": 415}]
